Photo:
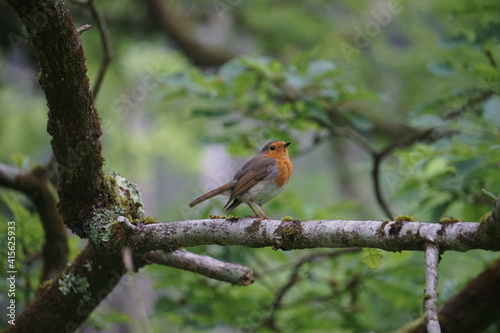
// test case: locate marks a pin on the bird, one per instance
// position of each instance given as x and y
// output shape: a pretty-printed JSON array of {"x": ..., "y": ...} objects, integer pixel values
[{"x": 259, "y": 180}]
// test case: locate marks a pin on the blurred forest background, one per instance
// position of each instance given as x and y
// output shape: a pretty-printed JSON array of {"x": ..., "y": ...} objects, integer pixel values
[{"x": 391, "y": 107}]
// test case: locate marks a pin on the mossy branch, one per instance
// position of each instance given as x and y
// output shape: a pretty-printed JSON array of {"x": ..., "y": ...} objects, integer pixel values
[
  {"x": 36, "y": 186},
  {"x": 73, "y": 122},
  {"x": 291, "y": 235}
]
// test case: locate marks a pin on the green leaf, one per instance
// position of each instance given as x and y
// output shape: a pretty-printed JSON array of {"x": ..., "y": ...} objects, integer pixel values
[
  {"x": 263, "y": 65},
  {"x": 452, "y": 41},
  {"x": 441, "y": 68},
  {"x": 211, "y": 111},
  {"x": 243, "y": 83},
  {"x": 320, "y": 67},
  {"x": 427, "y": 121},
  {"x": 19, "y": 211},
  {"x": 359, "y": 121},
  {"x": 437, "y": 167},
  {"x": 488, "y": 193},
  {"x": 231, "y": 70},
  {"x": 488, "y": 73},
  {"x": 318, "y": 113},
  {"x": 296, "y": 81},
  {"x": 489, "y": 32},
  {"x": 438, "y": 211},
  {"x": 190, "y": 82},
  {"x": 372, "y": 257},
  {"x": 491, "y": 110}
]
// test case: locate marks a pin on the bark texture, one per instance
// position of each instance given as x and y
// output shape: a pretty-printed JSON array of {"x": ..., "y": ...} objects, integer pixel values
[
  {"x": 292, "y": 235},
  {"x": 73, "y": 122},
  {"x": 63, "y": 303}
]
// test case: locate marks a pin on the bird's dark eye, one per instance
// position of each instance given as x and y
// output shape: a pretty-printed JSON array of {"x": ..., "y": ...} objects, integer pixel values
[{"x": 272, "y": 148}]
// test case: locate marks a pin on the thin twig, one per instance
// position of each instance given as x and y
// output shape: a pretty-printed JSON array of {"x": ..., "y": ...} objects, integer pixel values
[
  {"x": 180, "y": 28},
  {"x": 35, "y": 184},
  {"x": 431, "y": 293},
  {"x": 406, "y": 139},
  {"x": 476, "y": 98},
  {"x": 489, "y": 55},
  {"x": 355, "y": 137},
  {"x": 294, "y": 278},
  {"x": 381, "y": 155},
  {"x": 377, "y": 160},
  {"x": 83, "y": 28},
  {"x": 107, "y": 49},
  {"x": 316, "y": 142}
]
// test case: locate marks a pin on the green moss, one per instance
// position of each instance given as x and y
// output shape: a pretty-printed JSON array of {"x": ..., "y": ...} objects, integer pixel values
[
  {"x": 287, "y": 218},
  {"x": 485, "y": 217},
  {"x": 386, "y": 220},
  {"x": 100, "y": 225},
  {"x": 232, "y": 218},
  {"x": 45, "y": 285},
  {"x": 288, "y": 231},
  {"x": 126, "y": 202},
  {"x": 129, "y": 195},
  {"x": 405, "y": 217},
  {"x": 149, "y": 220},
  {"x": 77, "y": 284},
  {"x": 448, "y": 220},
  {"x": 225, "y": 217}
]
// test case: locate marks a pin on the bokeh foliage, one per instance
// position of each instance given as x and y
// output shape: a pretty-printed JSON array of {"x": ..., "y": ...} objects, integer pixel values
[{"x": 433, "y": 65}]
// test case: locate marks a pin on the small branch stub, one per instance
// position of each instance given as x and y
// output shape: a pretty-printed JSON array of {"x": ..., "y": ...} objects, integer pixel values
[{"x": 83, "y": 28}]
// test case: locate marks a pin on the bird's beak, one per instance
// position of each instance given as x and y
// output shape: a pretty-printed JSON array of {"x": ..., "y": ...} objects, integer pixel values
[{"x": 287, "y": 144}]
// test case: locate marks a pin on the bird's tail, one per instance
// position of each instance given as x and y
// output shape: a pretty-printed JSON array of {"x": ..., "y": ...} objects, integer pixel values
[{"x": 213, "y": 193}]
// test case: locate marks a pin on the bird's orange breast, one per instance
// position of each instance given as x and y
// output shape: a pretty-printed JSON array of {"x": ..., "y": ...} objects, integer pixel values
[{"x": 285, "y": 171}]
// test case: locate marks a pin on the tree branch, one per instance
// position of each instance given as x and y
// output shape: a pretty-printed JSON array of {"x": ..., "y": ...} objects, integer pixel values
[
  {"x": 294, "y": 278},
  {"x": 389, "y": 236},
  {"x": 490, "y": 57},
  {"x": 470, "y": 311},
  {"x": 107, "y": 49},
  {"x": 431, "y": 292},
  {"x": 354, "y": 136},
  {"x": 204, "y": 265},
  {"x": 377, "y": 188},
  {"x": 73, "y": 122},
  {"x": 64, "y": 303},
  {"x": 36, "y": 186},
  {"x": 377, "y": 156},
  {"x": 177, "y": 26}
]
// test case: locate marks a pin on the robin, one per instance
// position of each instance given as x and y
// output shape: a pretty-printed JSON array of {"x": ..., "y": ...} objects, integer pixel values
[{"x": 257, "y": 181}]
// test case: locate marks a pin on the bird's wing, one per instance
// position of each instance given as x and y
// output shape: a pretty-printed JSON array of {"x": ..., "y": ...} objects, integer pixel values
[{"x": 254, "y": 171}]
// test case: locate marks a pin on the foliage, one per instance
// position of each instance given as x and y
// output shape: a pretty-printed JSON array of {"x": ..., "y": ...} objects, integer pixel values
[
  {"x": 28, "y": 243},
  {"x": 257, "y": 99},
  {"x": 373, "y": 257},
  {"x": 449, "y": 174}
]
